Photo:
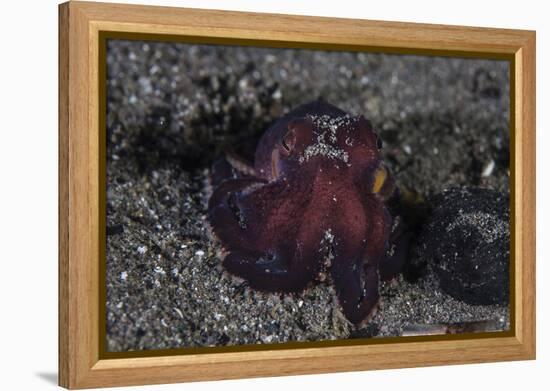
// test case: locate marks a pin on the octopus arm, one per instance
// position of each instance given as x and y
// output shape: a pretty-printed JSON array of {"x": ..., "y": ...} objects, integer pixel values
[
  {"x": 357, "y": 251},
  {"x": 271, "y": 243},
  {"x": 230, "y": 166},
  {"x": 288, "y": 266},
  {"x": 224, "y": 214},
  {"x": 230, "y": 186}
]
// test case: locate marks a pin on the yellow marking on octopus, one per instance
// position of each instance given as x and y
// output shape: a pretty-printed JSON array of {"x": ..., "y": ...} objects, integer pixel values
[{"x": 380, "y": 177}]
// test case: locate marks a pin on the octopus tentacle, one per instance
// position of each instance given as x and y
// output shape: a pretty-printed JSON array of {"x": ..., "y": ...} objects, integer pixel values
[
  {"x": 378, "y": 229},
  {"x": 356, "y": 287},
  {"x": 230, "y": 166},
  {"x": 225, "y": 216},
  {"x": 230, "y": 186},
  {"x": 357, "y": 251},
  {"x": 280, "y": 256},
  {"x": 287, "y": 267}
]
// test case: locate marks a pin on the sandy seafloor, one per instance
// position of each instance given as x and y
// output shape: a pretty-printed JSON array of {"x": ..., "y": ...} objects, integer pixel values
[{"x": 172, "y": 108}]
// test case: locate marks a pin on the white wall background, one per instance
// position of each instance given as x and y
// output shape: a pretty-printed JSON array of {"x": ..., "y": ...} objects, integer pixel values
[{"x": 28, "y": 207}]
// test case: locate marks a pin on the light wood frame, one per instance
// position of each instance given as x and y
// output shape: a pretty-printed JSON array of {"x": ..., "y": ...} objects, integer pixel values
[{"x": 80, "y": 168}]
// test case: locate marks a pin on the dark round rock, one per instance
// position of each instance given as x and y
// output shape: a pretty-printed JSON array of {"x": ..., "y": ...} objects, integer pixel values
[{"x": 467, "y": 243}]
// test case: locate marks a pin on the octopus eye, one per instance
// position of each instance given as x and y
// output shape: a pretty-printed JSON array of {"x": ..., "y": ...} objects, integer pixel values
[
  {"x": 288, "y": 141},
  {"x": 285, "y": 146}
]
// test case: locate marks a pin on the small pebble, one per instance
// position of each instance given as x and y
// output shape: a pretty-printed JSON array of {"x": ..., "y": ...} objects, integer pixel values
[{"x": 488, "y": 169}]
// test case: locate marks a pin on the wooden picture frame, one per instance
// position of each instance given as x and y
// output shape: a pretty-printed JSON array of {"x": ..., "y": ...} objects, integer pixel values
[{"x": 82, "y": 28}]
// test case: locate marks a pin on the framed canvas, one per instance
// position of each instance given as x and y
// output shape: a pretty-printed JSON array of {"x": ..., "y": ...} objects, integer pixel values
[{"x": 246, "y": 195}]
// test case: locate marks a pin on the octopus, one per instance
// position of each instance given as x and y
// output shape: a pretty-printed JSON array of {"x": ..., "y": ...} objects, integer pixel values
[{"x": 314, "y": 206}]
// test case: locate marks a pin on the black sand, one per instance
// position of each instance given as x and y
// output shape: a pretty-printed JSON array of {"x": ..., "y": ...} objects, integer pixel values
[{"x": 172, "y": 108}]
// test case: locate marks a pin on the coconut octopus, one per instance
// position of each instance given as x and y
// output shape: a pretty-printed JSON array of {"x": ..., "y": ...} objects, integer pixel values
[{"x": 317, "y": 202}]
